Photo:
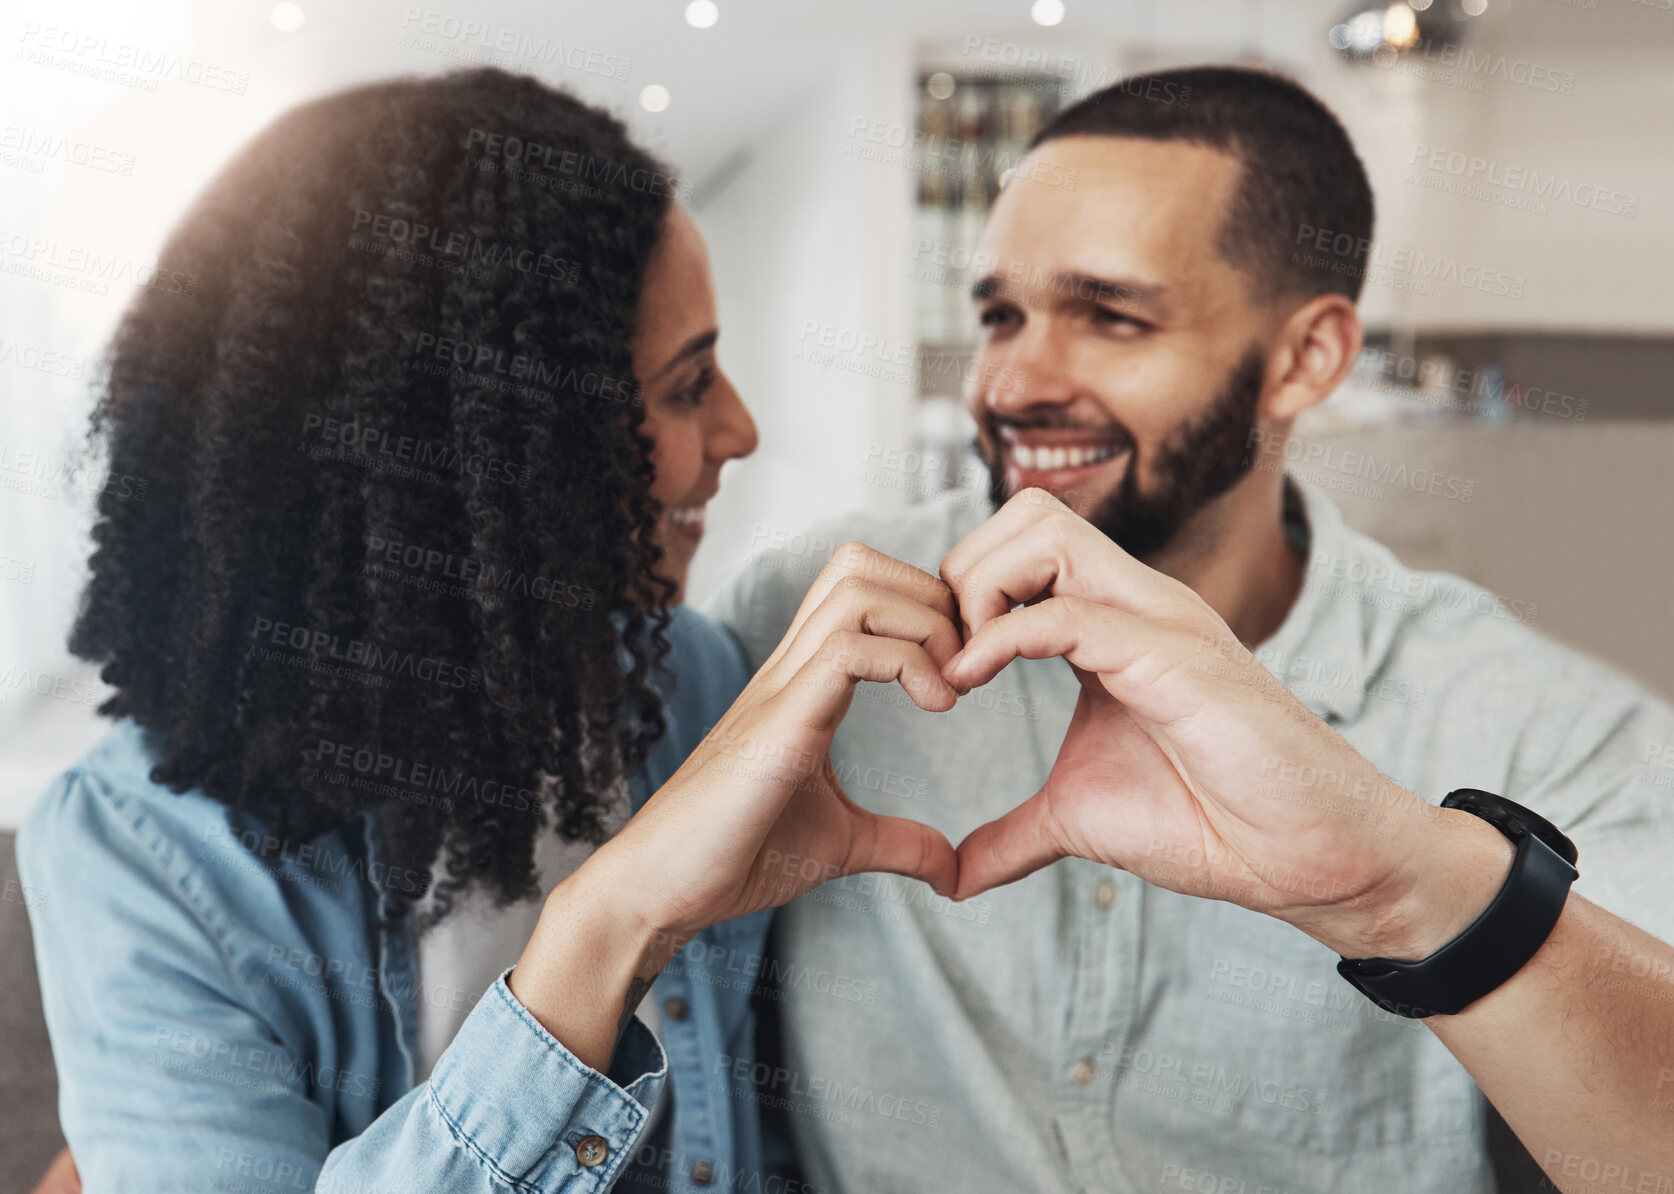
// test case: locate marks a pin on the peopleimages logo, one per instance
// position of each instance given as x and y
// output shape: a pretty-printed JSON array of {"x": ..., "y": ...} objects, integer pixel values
[
  {"x": 357, "y": 443},
  {"x": 323, "y": 646},
  {"x": 1475, "y": 171},
  {"x": 1400, "y": 267},
  {"x": 431, "y": 29},
  {"x": 1276, "y": 450}
]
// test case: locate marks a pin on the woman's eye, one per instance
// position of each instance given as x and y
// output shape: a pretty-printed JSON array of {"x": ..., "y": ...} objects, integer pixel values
[{"x": 692, "y": 395}]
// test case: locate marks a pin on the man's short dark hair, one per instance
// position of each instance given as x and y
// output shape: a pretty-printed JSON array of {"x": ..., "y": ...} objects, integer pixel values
[{"x": 1302, "y": 185}]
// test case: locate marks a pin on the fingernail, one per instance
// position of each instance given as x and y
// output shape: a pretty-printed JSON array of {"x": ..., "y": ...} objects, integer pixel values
[{"x": 953, "y": 664}]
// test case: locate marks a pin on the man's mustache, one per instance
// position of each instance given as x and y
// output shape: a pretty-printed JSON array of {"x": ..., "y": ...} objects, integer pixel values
[{"x": 1056, "y": 419}]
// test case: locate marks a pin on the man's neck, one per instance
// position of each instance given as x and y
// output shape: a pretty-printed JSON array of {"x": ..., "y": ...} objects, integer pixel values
[{"x": 1238, "y": 557}]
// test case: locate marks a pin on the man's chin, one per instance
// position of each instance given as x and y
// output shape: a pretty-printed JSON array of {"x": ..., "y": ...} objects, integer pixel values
[{"x": 1083, "y": 493}]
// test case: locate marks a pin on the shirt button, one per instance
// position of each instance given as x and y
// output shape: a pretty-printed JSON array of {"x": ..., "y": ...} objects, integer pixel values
[
  {"x": 591, "y": 1151},
  {"x": 1104, "y": 895},
  {"x": 675, "y": 1009},
  {"x": 702, "y": 1173},
  {"x": 1081, "y": 1073}
]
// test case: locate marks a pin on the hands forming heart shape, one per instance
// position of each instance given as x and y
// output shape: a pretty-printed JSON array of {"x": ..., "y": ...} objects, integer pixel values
[{"x": 1183, "y": 763}]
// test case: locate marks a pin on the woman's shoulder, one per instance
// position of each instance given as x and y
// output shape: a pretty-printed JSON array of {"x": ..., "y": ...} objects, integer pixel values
[
  {"x": 107, "y": 807},
  {"x": 707, "y": 662},
  {"x": 705, "y": 674},
  {"x": 121, "y": 854}
]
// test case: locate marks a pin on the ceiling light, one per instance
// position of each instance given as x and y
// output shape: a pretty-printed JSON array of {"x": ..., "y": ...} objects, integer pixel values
[
  {"x": 654, "y": 98},
  {"x": 286, "y": 17},
  {"x": 1400, "y": 26},
  {"x": 701, "y": 14},
  {"x": 1047, "y": 12},
  {"x": 1365, "y": 32}
]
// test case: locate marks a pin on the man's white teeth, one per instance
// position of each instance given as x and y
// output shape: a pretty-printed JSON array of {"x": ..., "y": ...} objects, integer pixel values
[
  {"x": 686, "y": 516},
  {"x": 1044, "y": 458}
]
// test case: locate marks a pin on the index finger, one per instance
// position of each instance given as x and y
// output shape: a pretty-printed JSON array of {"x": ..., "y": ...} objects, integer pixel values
[
  {"x": 883, "y": 571},
  {"x": 1024, "y": 509},
  {"x": 1051, "y": 551}
]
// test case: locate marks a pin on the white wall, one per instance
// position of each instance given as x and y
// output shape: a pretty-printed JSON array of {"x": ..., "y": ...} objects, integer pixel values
[
  {"x": 1577, "y": 268},
  {"x": 811, "y": 236}
]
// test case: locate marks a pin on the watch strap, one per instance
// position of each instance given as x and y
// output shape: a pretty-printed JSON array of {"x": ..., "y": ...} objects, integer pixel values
[
  {"x": 1498, "y": 943},
  {"x": 1513, "y": 820}
]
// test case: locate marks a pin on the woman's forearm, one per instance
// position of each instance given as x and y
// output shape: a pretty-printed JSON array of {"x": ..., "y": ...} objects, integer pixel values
[{"x": 589, "y": 962}]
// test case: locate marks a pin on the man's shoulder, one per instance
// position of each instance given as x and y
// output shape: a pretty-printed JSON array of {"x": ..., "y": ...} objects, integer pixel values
[{"x": 1466, "y": 643}]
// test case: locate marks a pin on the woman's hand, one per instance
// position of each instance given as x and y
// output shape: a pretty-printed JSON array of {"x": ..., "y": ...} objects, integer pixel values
[{"x": 755, "y": 817}]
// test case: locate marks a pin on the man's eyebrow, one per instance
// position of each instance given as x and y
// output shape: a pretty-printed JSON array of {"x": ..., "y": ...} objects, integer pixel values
[
  {"x": 699, "y": 343},
  {"x": 1084, "y": 286},
  {"x": 1109, "y": 289}
]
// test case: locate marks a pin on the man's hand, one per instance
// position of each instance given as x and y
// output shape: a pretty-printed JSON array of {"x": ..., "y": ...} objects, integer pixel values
[{"x": 1188, "y": 763}]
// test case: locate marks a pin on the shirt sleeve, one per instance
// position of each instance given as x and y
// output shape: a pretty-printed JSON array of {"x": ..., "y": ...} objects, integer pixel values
[
  {"x": 507, "y": 1105},
  {"x": 174, "y": 1075},
  {"x": 1600, "y": 766}
]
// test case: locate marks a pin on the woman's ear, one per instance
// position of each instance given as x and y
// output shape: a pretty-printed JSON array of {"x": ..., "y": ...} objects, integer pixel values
[{"x": 1315, "y": 350}]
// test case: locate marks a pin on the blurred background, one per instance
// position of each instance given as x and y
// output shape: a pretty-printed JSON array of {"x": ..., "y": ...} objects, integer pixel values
[
  {"x": 1508, "y": 420},
  {"x": 840, "y": 159}
]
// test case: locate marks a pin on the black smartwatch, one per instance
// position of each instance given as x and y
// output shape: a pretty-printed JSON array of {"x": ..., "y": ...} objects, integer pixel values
[{"x": 1499, "y": 942}]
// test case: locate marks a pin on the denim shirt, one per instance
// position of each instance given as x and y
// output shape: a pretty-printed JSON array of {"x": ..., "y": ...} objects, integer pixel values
[{"x": 220, "y": 1025}]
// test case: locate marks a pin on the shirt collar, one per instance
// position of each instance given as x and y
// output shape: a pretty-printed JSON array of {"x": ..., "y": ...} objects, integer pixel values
[{"x": 1327, "y": 627}]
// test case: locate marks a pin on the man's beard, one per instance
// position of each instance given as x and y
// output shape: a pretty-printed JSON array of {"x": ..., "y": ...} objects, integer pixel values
[{"x": 1201, "y": 461}]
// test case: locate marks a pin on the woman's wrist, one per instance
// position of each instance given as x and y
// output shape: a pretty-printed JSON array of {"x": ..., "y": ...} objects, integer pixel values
[
  {"x": 614, "y": 878},
  {"x": 591, "y": 958}
]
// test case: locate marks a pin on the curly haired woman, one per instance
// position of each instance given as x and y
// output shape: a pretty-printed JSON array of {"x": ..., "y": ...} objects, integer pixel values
[{"x": 397, "y": 618}]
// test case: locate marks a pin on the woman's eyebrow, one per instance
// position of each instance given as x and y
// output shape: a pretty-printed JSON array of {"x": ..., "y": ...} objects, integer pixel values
[{"x": 701, "y": 342}]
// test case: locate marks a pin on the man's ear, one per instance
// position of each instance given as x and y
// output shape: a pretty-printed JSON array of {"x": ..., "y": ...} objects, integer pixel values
[{"x": 1313, "y": 352}]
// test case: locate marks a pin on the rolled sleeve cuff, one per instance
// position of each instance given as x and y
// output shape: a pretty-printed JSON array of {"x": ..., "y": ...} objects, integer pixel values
[{"x": 521, "y": 1101}]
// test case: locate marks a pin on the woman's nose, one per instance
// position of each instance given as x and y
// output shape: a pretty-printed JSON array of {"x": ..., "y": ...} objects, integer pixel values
[{"x": 734, "y": 434}]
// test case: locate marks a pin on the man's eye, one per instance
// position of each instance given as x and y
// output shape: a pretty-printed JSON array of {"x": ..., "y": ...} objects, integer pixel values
[
  {"x": 1107, "y": 317},
  {"x": 997, "y": 316}
]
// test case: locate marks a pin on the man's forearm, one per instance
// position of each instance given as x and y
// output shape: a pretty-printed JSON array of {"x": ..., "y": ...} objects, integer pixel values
[{"x": 1577, "y": 1052}]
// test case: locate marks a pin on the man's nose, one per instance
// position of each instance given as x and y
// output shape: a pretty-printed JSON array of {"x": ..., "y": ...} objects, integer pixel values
[{"x": 1031, "y": 371}]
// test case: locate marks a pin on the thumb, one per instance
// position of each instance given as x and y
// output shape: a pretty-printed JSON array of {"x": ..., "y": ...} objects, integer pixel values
[
  {"x": 1008, "y": 848},
  {"x": 902, "y": 847}
]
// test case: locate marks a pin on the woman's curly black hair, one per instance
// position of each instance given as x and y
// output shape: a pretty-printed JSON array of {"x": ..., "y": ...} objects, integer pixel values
[{"x": 391, "y": 543}]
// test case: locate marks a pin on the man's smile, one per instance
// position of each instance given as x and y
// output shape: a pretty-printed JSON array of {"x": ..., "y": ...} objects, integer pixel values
[{"x": 1062, "y": 460}]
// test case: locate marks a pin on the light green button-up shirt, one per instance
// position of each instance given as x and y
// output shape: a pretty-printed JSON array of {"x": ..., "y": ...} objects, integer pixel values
[{"x": 1081, "y": 1030}]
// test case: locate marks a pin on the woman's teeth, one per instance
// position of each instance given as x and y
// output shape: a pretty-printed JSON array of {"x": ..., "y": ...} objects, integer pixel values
[
  {"x": 686, "y": 516},
  {"x": 1043, "y": 458}
]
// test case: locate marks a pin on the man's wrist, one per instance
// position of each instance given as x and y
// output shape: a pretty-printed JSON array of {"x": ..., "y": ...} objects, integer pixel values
[{"x": 1454, "y": 865}]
